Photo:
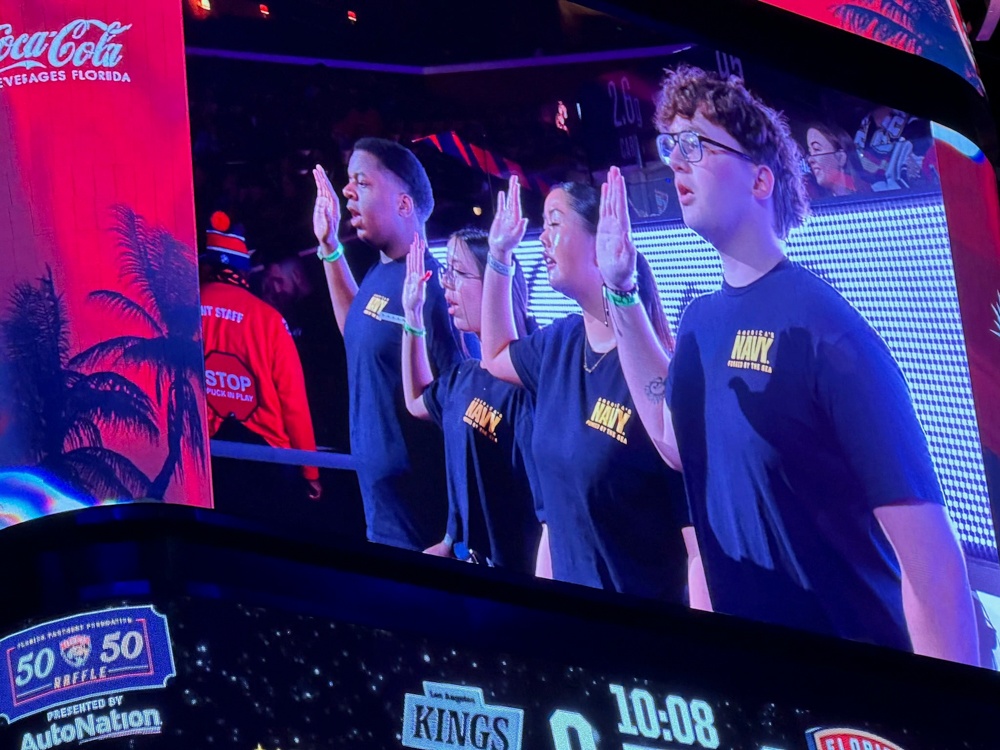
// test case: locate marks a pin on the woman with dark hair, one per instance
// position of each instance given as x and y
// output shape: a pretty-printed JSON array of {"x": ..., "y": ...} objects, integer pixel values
[
  {"x": 616, "y": 516},
  {"x": 487, "y": 423},
  {"x": 830, "y": 156}
]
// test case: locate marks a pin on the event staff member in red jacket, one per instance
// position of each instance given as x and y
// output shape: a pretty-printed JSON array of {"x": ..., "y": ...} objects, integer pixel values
[{"x": 254, "y": 384}]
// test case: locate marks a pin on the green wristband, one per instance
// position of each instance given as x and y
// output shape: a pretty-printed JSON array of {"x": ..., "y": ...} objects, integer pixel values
[
  {"x": 333, "y": 257},
  {"x": 622, "y": 299},
  {"x": 407, "y": 328}
]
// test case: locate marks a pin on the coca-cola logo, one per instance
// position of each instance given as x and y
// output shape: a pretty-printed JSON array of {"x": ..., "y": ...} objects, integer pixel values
[{"x": 86, "y": 49}]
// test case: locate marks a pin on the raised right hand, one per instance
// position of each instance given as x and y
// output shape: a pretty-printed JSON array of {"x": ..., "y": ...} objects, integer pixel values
[
  {"x": 508, "y": 226},
  {"x": 326, "y": 211},
  {"x": 616, "y": 254},
  {"x": 414, "y": 286}
]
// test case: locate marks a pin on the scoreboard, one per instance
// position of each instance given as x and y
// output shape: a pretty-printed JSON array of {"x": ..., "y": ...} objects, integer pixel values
[{"x": 167, "y": 627}]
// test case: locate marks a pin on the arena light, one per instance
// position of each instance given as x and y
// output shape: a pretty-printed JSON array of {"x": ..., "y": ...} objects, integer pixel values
[
  {"x": 265, "y": 11},
  {"x": 352, "y": 16}
]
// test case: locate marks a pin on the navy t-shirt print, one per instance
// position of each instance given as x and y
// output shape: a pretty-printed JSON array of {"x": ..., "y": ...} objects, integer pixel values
[
  {"x": 613, "y": 507},
  {"x": 400, "y": 459},
  {"x": 794, "y": 423},
  {"x": 487, "y": 427}
]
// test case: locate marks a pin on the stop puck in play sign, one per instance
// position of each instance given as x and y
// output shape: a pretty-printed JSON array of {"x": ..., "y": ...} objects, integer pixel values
[{"x": 230, "y": 387}]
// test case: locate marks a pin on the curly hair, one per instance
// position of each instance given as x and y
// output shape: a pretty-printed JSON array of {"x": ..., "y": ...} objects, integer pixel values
[{"x": 760, "y": 130}]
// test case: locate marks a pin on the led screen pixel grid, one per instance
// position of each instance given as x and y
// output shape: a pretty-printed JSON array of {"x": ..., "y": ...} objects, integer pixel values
[{"x": 892, "y": 260}]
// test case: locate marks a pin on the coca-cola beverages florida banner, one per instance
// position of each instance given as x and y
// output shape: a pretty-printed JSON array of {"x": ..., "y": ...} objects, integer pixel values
[{"x": 101, "y": 387}]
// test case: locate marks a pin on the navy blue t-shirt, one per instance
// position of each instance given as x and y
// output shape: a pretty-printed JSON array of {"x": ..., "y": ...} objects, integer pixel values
[
  {"x": 487, "y": 427},
  {"x": 794, "y": 423},
  {"x": 614, "y": 509},
  {"x": 400, "y": 459}
]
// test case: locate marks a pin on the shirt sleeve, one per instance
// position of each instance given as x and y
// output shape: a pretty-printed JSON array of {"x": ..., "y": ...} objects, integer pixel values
[
  {"x": 676, "y": 494},
  {"x": 528, "y": 354},
  {"x": 524, "y": 427},
  {"x": 290, "y": 384},
  {"x": 436, "y": 395},
  {"x": 866, "y": 399},
  {"x": 683, "y": 327}
]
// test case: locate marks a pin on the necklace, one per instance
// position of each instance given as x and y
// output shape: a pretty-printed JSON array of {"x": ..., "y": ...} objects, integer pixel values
[{"x": 588, "y": 368}]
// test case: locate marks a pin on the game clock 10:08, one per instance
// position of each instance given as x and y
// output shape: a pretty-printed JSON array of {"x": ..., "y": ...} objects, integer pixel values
[{"x": 675, "y": 720}]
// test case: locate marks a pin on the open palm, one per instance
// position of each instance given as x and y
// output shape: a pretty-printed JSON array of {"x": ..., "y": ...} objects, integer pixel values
[
  {"x": 326, "y": 211},
  {"x": 616, "y": 255},
  {"x": 508, "y": 226},
  {"x": 414, "y": 288}
]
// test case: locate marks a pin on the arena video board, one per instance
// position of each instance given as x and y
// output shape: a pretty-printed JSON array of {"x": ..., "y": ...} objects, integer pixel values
[{"x": 880, "y": 233}]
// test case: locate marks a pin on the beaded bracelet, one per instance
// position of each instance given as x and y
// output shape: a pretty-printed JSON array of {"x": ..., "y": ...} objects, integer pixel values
[
  {"x": 620, "y": 298},
  {"x": 333, "y": 257},
  {"x": 501, "y": 268},
  {"x": 407, "y": 328}
]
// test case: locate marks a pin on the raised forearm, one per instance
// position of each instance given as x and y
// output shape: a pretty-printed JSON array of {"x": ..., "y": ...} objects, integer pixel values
[
  {"x": 646, "y": 363},
  {"x": 416, "y": 366},
  {"x": 340, "y": 283},
  {"x": 498, "y": 328}
]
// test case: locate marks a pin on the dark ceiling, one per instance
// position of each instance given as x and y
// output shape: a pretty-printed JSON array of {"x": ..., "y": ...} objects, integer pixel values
[{"x": 448, "y": 32}]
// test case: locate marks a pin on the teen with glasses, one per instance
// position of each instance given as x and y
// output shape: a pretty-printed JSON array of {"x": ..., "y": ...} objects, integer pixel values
[
  {"x": 487, "y": 423},
  {"x": 811, "y": 485}
]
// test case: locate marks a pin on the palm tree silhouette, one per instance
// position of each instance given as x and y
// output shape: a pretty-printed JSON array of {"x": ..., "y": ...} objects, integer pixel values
[
  {"x": 921, "y": 27},
  {"x": 59, "y": 411},
  {"x": 162, "y": 278}
]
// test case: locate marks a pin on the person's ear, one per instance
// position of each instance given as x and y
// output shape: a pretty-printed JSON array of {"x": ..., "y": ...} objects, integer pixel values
[
  {"x": 406, "y": 207},
  {"x": 841, "y": 158},
  {"x": 763, "y": 183}
]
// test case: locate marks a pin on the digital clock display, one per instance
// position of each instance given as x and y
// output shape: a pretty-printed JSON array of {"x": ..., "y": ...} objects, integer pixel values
[{"x": 255, "y": 677}]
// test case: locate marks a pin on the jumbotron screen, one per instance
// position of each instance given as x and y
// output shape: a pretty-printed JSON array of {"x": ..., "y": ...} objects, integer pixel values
[
  {"x": 804, "y": 476},
  {"x": 589, "y": 500},
  {"x": 930, "y": 28}
]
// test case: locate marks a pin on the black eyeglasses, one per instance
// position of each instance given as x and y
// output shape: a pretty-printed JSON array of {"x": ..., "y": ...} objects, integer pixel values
[
  {"x": 823, "y": 153},
  {"x": 691, "y": 145},
  {"x": 450, "y": 275},
  {"x": 807, "y": 166}
]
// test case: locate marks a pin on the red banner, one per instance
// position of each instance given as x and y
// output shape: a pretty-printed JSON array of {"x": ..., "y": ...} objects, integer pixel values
[
  {"x": 929, "y": 28},
  {"x": 97, "y": 245}
]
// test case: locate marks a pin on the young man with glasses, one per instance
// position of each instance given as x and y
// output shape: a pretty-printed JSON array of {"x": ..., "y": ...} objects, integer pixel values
[{"x": 812, "y": 490}]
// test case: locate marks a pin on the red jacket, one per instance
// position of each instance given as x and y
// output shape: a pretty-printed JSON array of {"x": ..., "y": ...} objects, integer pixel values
[{"x": 252, "y": 369}]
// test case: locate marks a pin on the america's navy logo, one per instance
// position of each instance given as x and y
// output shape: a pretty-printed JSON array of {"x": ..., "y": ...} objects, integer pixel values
[
  {"x": 610, "y": 418},
  {"x": 376, "y": 305},
  {"x": 839, "y": 738},
  {"x": 75, "y": 650},
  {"x": 482, "y": 417},
  {"x": 447, "y": 717},
  {"x": 752, "y": 351}
]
